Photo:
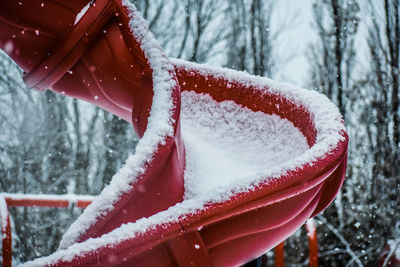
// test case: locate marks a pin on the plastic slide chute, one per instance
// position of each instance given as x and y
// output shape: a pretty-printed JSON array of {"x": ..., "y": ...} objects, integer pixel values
[{"x": 228, "y": 164}]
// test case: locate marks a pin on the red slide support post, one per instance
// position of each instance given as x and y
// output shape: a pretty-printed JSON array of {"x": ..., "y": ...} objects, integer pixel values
[
  {"x": 5, "y": 233},
  {"x": 312, "y": 246},
  {"x": 280, "y": 255},
  {"x": 312, "y": 243}
]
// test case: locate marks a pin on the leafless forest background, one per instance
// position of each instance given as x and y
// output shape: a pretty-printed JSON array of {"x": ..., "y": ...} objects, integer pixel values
[{"x": 50, "y": 144}]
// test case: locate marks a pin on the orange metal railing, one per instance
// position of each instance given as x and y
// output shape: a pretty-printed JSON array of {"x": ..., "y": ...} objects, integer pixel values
[
  {"x": 65, "y": 201},
  {"x": 20, "y": 200}
]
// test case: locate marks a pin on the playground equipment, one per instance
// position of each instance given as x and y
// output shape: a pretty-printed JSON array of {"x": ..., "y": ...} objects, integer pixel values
[{"x": 101, "y": 51}]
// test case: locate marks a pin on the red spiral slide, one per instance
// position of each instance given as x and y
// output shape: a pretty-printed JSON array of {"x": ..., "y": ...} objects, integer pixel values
[{"x": 228, "y": 164}]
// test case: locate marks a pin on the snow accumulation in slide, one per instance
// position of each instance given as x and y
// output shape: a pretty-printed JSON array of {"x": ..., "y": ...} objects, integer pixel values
[{"x": 225, "y": 142}]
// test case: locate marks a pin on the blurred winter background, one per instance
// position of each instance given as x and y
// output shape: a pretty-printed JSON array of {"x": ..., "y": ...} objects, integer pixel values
[{"x": 346, "y": 49}]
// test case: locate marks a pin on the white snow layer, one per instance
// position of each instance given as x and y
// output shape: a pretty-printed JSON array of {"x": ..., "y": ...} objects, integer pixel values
[
  {"x": 82, "y": 12},
  {"x": 225, "y": 142},
  {"x": 223, "y": 122},
  {"x": 159, "y": 126}
]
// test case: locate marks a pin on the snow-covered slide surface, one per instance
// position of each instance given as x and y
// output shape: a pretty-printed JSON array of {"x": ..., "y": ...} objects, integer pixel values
[{"x": 226, "y": 142}]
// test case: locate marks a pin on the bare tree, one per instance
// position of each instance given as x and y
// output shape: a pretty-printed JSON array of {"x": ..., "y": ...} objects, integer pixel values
[
  {"x": 382, "y": 118},
  {"x": 195, "y": 35},
  {"x": 333, "y": 60},
  {"x": 251, "y": 40},
  {"x": 333, "y": 57},
  {"x": 119, "y": 141},
  {"x": 237, "y": 50}
]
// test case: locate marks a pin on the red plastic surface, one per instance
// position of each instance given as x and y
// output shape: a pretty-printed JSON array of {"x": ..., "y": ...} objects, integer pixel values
[{"x": 98, "y": 60}]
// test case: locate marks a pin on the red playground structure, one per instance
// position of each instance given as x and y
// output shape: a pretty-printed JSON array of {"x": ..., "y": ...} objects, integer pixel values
[{"x": 228, "y": 164}]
